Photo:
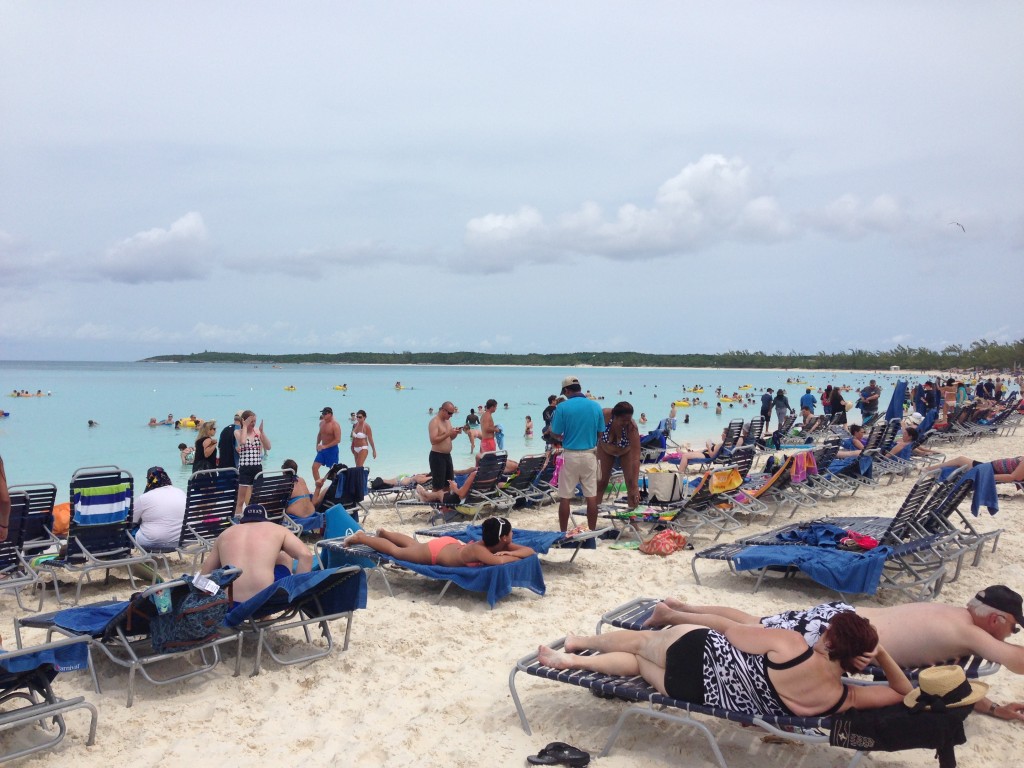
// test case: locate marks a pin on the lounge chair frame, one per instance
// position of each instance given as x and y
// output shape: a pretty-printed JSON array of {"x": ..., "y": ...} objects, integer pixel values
[{"x": 42, "y": 705}]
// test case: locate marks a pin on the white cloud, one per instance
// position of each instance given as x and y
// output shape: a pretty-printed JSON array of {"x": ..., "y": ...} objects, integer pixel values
[
  {"x": 711, "y": 200},
  {"x": 159, "y": 255},
  {"x": 849, "y": 217}
]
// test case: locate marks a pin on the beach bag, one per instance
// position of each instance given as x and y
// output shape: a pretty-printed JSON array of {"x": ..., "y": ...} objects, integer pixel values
[
  {"x": 188, "y": 621},
  {"x": 664, "y": 487},
  {"x": 664, "y": 543}
]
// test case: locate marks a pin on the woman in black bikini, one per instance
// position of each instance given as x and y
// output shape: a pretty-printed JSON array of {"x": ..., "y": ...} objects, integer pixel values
[
  {"x": 619, "y": 442},
  {"x": 745, "y": 668}
]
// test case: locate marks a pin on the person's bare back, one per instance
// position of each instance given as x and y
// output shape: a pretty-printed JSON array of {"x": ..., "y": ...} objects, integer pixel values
[
  {"x": 256, "y": 548},
  {"x": 951, "y": 632}
]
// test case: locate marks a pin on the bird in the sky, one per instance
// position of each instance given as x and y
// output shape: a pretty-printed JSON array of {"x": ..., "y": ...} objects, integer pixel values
[{"x": 959, "y": 225}]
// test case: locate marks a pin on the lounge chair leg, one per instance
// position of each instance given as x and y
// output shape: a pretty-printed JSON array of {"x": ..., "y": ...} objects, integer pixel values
[
  {"x": 515, "y": 700},
  {"x": 642, "y": 710}
]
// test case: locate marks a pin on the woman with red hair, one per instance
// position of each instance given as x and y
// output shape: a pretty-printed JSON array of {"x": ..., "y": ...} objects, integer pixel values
[{"x": 745, "y": 668}]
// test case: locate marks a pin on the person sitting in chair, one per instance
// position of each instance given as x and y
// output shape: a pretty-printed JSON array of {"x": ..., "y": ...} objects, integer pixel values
[
  {"x": 496, "y": 548},
  {"x": 265, "y": 551},
  {"x": 301, "y": 502},
  {"x": 455, "y": 495}
]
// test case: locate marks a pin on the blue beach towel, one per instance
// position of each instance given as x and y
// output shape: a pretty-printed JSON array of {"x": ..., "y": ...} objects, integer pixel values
[
  {"x": 66, "y": 658},
  {"x": 815, "y": 534},
  {"x": 496, "y": 580},
  {"x": 852, "y": 572},
  {"x": 90, "y": 619},
  {"x": 347, "y": 595},
  {"x": 899, "y": 396},
  {"x": 985, "y": 494}
]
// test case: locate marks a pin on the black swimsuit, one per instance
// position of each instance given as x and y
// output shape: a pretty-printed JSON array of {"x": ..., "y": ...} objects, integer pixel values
[{"x": 692, "y": 665}]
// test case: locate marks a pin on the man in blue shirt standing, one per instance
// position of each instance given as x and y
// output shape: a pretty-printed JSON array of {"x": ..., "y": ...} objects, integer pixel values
[
  {"x": 577, "y": 422},
  {"x": 808, "y": 400},
  {"x": 869, "y": 401}
]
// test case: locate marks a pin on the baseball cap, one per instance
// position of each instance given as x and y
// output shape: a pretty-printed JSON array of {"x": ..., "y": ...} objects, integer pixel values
[
  {"x": 328, "y": 409},
  {"x": 254, "y": 513},
  {"x": 568, "y": 381},
  {"x": 1002, "y": 598}
]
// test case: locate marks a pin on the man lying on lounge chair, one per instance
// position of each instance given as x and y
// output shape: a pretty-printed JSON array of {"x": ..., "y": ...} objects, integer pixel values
[
  {"x": 915, "y": 634},
  {"x": 265, "y": 552}
]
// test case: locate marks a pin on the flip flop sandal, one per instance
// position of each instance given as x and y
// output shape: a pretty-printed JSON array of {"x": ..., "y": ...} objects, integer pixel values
[{"x": 561, "y": 754}]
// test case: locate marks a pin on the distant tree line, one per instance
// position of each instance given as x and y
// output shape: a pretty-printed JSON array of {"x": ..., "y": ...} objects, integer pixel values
[{"x": 984, "y": 354}]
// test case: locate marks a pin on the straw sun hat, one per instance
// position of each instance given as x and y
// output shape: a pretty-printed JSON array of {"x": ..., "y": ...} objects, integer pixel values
[{"x": 944, "y": 687}]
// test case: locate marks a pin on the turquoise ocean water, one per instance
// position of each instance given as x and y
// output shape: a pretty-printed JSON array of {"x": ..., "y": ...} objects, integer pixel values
[{"x": 46, "y": 438}]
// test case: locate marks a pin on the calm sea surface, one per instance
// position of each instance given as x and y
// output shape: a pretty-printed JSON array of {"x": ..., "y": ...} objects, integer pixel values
[{"x": 46, "y": 438}]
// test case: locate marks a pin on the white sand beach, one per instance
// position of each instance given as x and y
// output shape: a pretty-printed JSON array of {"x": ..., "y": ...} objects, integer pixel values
[{"x": 427, "y": 685}]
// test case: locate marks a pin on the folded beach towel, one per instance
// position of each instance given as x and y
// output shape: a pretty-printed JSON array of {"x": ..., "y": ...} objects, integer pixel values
[
  {"x": 853, "y": 572},
  {"x": 102, "y": 504},
  {"x": 65, "y": 658},
  {"x": 815, "y": 534}
]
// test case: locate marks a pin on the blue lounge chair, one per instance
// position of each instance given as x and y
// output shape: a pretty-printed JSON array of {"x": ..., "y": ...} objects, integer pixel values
[
  {"x": 647, "y": 702},
  {"x": 635, "y": 613},
  {"x": 98, "y": 537},
  {"x": 299, "y": 601},
  {"x": 496, "y": 580},
  {"x": 25, "y": 675},
  {"x": 125, "y": 631}
]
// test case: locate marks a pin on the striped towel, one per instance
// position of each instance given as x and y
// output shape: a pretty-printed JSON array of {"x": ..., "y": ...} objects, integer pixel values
[{"x": 102, "y": 504}]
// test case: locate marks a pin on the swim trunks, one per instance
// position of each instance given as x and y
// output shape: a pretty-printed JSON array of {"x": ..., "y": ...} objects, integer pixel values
[
  {"x": 326, "y": 457},
  {"x": 436, "y": 545},
  {"x": 442, "y": 469},
  {"x": 488, "y": 444}
]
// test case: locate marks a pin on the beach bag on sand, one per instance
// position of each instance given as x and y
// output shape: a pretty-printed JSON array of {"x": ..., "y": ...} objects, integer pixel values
[
  {"x": 664, "y": 543},
  {"x": 664, "y": 487}
]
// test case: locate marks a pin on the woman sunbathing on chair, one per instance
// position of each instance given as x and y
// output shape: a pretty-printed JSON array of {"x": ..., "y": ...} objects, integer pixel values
[
  {"x": 745, "y": 668},
  {"x": 495, "y": 549}
]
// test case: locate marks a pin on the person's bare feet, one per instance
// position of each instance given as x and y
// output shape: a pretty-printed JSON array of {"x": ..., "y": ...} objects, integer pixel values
[
  {"x": 552, "y": 658},
  {"x": 675, "y": 605},
  {"x": 660, "y": 616},
  {"x": 572, "y": 644},
  {"x": 353, "y": 538},
  {"x": 421, "y": 494}
]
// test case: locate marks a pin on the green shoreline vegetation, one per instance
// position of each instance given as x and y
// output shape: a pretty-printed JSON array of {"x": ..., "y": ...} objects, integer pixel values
[{"x": 987, "y": 355}]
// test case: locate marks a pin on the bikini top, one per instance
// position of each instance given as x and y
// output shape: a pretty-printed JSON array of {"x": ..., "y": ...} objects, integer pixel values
[
  {"x": 797, "y": 661},
  {"x": 606, "y": 436},
  {"x": 358, "y": 435}
]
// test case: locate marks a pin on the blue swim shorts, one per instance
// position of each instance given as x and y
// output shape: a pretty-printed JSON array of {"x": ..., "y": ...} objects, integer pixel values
[{"x": 328, "y": 457}]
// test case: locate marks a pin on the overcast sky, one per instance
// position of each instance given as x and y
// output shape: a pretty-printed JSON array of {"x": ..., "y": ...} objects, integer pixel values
[{"x": 511, "y": 177}]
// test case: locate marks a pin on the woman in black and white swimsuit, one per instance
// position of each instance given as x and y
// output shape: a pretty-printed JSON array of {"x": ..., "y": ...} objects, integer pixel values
[{"x": 746, "y": 669}]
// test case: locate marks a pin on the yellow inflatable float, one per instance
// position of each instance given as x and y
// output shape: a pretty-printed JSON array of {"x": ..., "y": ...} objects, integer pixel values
[
  {"x": 341, "y": 387},
  {"x": 682, "y": 403},
  {"x": 746, "y": 386},
  {"x": 728, "y": 400},
  {"x": 696, "y": 390},
  {"x": 289, "y": 389}
]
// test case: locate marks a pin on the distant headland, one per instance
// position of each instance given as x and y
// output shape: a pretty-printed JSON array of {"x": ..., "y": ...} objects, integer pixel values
[{"x": 979, "y": 354}]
